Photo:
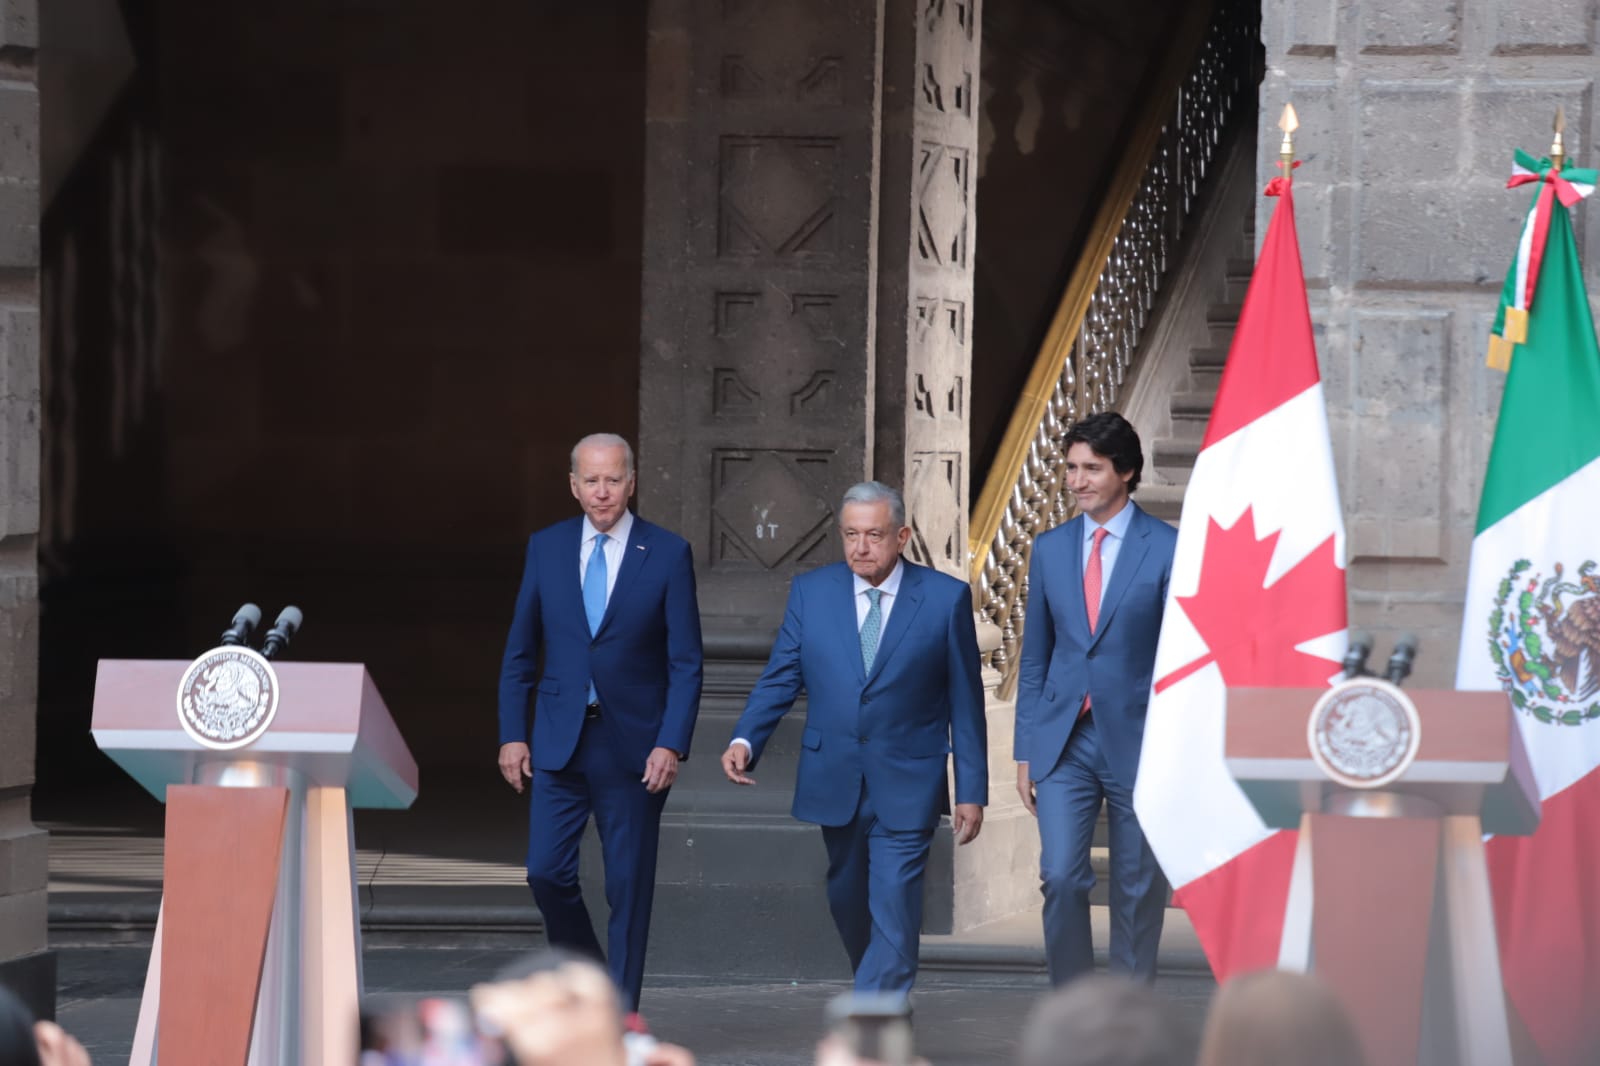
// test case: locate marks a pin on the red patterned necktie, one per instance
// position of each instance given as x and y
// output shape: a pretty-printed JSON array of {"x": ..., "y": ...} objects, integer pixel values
[{"x": 1091, "y": 593}]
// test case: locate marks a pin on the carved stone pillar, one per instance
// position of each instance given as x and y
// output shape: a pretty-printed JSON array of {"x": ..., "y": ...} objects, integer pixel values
[
  {"x": 25, "y": 965},
  {"x": 806, "y": 321},
  {"x": 924, "y": 283}
]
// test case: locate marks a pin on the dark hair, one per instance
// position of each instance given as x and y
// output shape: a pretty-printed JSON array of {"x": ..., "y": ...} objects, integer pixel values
[
  {"x": 17, "y": 1044},
  {"x": 1113, "y": 437},
  {"x": 1103, "y": 1021},
  {"x": 544, "y": 960}
]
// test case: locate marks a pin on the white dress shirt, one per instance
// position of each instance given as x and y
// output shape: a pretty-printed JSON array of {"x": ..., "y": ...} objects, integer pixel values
[
  {"x": 616, "y": 547},
  {"x": 891, "y": 591}
]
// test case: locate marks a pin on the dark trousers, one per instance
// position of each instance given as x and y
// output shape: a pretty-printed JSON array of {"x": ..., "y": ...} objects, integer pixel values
[
  {"x": 628, "y": 819},
  {"x": 1069, "y": 798},
  {"x": 875, "y": 894}
]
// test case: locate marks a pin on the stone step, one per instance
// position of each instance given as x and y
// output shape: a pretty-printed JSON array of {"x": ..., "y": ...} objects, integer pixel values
[
  {"x": 1212, "y": 358},
  {"x": 1236, "y": 279},
  {"x": 1175, "y": 454},
  {"x": 1223, "y": 315},
  {"x": 459, "y": 918},
  {"x": 1193, "y": 406},
  {"x": 1163, "y": 501}
]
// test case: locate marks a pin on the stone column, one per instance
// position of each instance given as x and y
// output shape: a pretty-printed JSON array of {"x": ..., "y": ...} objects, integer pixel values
[
  {"x": 806, "y": 314},
  {"x": 927, "y": 228},
  {"x": 1409, "y": 113},
  {"x": 25, "y": 965}
]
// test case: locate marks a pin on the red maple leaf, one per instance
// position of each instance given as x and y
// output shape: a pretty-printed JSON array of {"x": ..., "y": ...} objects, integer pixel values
[{"x": 1251, "y": 628}]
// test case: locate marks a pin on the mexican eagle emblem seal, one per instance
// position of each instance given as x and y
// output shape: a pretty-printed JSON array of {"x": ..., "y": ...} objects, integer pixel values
[
  {"x": 1364, "y": 732},
  {"x": 1544, "y": 638},
  {"x": 227, "y": 697}
]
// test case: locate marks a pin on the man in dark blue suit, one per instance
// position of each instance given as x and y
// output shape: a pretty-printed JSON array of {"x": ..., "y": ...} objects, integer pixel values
[
  {"x": 1097, "y": 587},
  {"x": 608, "y": 601},
  {"x": 887, "y": 653}
]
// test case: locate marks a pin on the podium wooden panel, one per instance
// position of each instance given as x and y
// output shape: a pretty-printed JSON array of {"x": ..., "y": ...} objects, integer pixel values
[
  {"x": 332, "y": 746},
  {"x": 1389, "y": 901},
  {"x": 214, "y": 942}
]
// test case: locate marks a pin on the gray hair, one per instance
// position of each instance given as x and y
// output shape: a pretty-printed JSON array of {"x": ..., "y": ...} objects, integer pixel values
[
  {"x": 604, "y": 440},
  {"x": 876, "y": 492}
]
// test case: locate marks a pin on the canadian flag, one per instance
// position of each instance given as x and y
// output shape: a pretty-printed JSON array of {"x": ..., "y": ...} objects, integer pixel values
[{"x": 1257, "y": 597}]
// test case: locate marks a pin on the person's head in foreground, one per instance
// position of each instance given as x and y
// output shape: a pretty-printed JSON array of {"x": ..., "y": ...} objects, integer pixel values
[
  {"x": 1277, "y": 1018},
  {"x": 560, "y": 1009},
  {"x": 1103, "y": 1021}
]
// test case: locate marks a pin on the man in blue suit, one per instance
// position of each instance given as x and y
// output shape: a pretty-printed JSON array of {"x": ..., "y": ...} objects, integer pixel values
[
  {"x": 887, "y": 653},
  {"x": 1097, "y": 587},
  {"x": 608, "y": 601}
]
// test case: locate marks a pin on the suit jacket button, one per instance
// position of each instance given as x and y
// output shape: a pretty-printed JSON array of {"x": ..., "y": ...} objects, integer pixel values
[
  {"x": 863, "y": 740},
  {"x": 1090, "y": 655}
]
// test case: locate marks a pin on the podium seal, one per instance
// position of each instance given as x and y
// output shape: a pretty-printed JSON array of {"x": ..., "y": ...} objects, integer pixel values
[
  {"x": 227, "y": 697},
  {"x": 1364, "y": 732}
]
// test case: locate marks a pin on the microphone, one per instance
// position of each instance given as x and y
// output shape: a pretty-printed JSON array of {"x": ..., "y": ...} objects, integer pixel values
[
  {"x": 1405, "y": 653},
  {"x": 245, "y": 620},
  {"x": 282, "y": 631},
  {"x": 1355, "y": 657}
]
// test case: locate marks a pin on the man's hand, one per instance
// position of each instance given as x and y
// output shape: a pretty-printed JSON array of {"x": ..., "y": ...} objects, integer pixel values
[
  {"x": 660, "y": 770},
  {"x": 734, "y": 763},
  {"x": 57, "y": 1047},
  {"x": 516, "y": 764},
  {"x": 562, "y": 1017},
  {"x": 967, "y": 820},
  {"x": 1025, "y": 790}
]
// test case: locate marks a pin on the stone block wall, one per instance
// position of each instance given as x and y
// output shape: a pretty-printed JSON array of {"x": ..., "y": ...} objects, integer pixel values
[
  {"x": 25, "y": 965},
  {"x": 1409, "y": 114}
]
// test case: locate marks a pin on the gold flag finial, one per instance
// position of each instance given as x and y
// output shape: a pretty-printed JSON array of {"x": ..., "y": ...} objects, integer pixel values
[
  {"x": 1288, "y": 124},
  {"x": 1558, "y": 148}
]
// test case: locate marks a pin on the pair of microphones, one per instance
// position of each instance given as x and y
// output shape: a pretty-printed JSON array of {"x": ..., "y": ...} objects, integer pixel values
[
  {"x": 248, "y": 617},
  {"x": 1399, "y": 668}
]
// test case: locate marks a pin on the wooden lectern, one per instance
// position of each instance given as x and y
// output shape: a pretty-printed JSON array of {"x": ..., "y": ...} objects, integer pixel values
[
  {"x": 1389, "y": 901},
  {"x": 257, "y": 954}
]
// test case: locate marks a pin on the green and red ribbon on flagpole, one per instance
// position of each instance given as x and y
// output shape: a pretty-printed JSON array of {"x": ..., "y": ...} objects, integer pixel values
[{"x": 1566, "y": 184}]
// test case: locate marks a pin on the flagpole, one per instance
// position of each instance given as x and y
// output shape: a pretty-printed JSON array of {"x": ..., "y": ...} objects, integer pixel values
[
  {"x": 1558, "y": 149},
  {"x": 1288, "y": 124}
]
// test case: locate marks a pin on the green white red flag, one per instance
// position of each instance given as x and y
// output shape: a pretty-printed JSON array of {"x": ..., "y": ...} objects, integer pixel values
[{"x": 1531, "y": 622}]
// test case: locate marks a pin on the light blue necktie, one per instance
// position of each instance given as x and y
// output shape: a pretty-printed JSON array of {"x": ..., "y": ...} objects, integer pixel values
[
  {"x": 870, "y": 629},
  {"x": 594, "y": 591}
]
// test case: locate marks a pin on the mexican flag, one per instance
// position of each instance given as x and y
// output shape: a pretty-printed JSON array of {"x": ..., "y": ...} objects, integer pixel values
[
  {"x": 1531, "y": 623},
  {"x": 1257, "y": 597}
]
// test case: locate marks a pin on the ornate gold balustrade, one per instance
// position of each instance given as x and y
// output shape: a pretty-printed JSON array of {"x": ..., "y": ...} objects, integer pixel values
[{"x": 1207, "y": 80}]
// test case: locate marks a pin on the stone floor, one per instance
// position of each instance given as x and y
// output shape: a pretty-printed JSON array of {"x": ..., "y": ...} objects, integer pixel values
[{"x": 968, "y": 1018}]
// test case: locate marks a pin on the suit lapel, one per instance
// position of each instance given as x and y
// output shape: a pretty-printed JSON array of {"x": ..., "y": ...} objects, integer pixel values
[
  {"x": 634, "y": 554},
  {"x": 1130, "y": 556},
  {"x": 900, "y": 616},
  {"x": 1079, "y": 616},
  {"x": 572, "y": 565}
]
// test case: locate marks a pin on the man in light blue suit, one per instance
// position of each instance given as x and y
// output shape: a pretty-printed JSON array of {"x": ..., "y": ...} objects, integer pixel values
[
  {"x": 887, "y": 653},
  {"x": 1097, "y": 587},
  {"x": 608, "y": 602}
]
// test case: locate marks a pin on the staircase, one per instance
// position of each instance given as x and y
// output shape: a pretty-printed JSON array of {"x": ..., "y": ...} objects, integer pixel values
[{"x": 1176, "y": 377}]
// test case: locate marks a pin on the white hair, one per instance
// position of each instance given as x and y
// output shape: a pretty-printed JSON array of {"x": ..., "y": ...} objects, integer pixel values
[
  {"x": 604, "y": 440},
  {"x": 875, "y": 492}
]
